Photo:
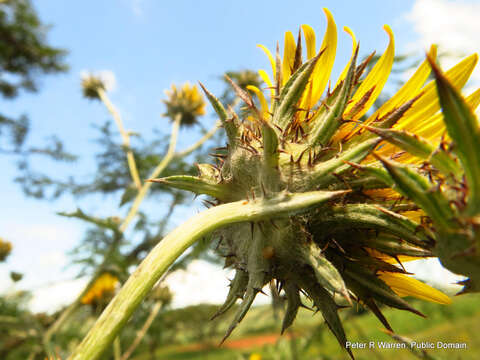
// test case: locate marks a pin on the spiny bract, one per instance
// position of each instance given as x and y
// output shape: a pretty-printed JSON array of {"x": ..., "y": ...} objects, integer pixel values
[{"x": 351, "y": 245}]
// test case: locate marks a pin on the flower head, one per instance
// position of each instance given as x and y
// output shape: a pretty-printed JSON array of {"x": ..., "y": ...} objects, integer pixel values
[
  {"x": 186, "y": 102},
  {"x": 91, "y": 85},
  {"x": 102, "y": 289},
  {"x": 5, "y": 249},
  {"x": 312, "y": 138}
]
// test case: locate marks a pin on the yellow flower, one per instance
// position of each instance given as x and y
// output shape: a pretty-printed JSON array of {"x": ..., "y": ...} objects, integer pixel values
[
  {"x": 5, "y": 249},
  {"x": 422, "y": 118},
  {"x": 103, "y": 287},
  {"x": 255, "y": 356},
  {"x": 186, "y": 102}
]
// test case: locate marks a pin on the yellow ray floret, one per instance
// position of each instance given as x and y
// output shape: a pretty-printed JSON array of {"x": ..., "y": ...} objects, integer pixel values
[
  {"x": 261, "y": 98},
  {"x": 354, "y": 48},
  {"x": 404, "y": 285},
  {"x": 375, "y": 79}
]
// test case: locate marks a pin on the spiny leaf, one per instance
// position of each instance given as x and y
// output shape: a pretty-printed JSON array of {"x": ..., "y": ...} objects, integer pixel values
[
  {"x": 244, "y": 307},
  {"x": 420, "y": 147},
  {"x": 293, "y": 303},
  {"x": 229, "y": 125},
  {"x": 327, "y": 274},
  {"x": 325, "y": 126},
  {"x": 292, "y": 92},
  {"x": 417, "y": 188},
  {"x": 355, "y": 276},
  {"x": 329, "y": 309},
  {"x": 196, "y": 185},
  {"x": 322, "y": 173},
  {"x": 462, "y": 126},
  {"x": 238, "y": 287},
  {"x": 366, "y": 216},
  {"x": 270, "y": 145},
  {"x": 392, "y": 245}
]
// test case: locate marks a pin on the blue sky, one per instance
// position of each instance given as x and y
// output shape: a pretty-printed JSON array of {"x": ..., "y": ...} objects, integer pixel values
[{"x": 148, "y": 45}]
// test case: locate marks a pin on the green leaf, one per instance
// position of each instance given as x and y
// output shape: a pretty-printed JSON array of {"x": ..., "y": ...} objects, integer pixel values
[
  {"x": 462, "y": 126},
  {"x": 292, "y": 92},
  {"x": 326, "y": 274},
  {"x": 196, "y": 185},
  {"x": 326, "y": 122},
  {"x": 420, "y": 147},
  {"x": 228, "y": 124},
  {"x": 293, "y": 303},
  {"x": 238, "y": 286},
  {"x": 419, "y": 189},
  {"x": 366, "y": 216},
  {"x": 392, "y": 245},
  {"x": 365, "y": 283},
  {"x": 321, "y": 175}
]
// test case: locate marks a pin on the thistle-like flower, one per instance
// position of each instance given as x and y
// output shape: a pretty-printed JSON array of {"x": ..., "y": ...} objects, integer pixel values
[
  {"x": 101, "y": 291},
  {"x": 186, "y": 102},
  {"x": 5, "y": 249},
  {"x": 91, "y": 84},
  {"x": 309, "y": 138}
]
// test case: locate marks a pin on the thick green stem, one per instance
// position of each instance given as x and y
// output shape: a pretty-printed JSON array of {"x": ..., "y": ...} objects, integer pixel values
[{"x": 120, "y": 309}]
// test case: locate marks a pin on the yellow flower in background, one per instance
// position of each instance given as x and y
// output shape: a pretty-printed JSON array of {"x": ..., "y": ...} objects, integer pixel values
[
  {"x": 103, "y": 287},
  {"x": 186, "y": 102},
  {"x": 5, "y": 249},
  {"x": 255, "y": 356}
]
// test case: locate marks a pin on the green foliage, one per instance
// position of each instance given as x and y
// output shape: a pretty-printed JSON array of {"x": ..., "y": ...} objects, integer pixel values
[{"x": 24, "y": 54}]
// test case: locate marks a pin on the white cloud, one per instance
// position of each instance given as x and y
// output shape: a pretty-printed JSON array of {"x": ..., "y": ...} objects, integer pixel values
[
  {"x": 202, "y": 282},
  {"x": 107, "y": 76},
  {"x": 453, "y": 25},
  {"x": 51, "y": 298}
]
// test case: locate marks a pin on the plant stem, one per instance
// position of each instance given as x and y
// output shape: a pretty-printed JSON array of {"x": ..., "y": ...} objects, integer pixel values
[
  {"x": 117, "y": 349},
  {"x": 157, "y": 171},
  {"x": 143, "y": 331},
  {"x": 162, "y": 256},
  {"x": 125, "y": 138}
]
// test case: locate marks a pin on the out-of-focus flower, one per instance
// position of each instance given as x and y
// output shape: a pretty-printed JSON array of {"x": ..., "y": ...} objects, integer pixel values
[
  {"x": 187, "y": 102},
  {"x": 103, "y": 288},
  {"x": 5, "y": 249}
]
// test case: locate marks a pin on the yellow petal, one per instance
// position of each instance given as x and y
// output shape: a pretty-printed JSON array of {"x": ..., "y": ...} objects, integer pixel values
[
  {"x": 263, "y": 74},
  {"x": 428, "y": 104},
  {"x": 288, "y": 56},
  {"x": 323, "y": 69},
  {"x": 404, "y": 285},
  {"x": 409, "y": 90},
  {"x": 377, "y": 77},
  {"x": 310, "y": 40},
  {"x": 261, "y": 97},
  {"x": 270, "y": 57},
  {"x": 354, "y": 47}
]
